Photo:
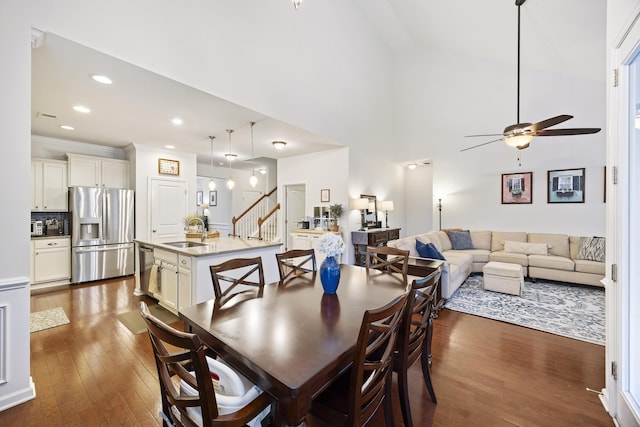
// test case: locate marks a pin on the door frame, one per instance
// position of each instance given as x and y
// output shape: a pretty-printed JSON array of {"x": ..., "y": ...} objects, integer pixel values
[{"x": 289, "y": 224}]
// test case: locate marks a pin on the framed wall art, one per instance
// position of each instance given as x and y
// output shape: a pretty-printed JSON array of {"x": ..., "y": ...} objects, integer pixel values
[
  {"x": 168, "y": 167},
  {"x": 517, "y": 188},
  {"x": 565, "y": 186},
  {"x": 213, "y": 198},
  {"x": 325, "y": 195}
]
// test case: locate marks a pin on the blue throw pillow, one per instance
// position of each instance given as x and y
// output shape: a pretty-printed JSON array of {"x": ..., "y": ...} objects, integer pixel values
[
  {"x": 428, "y": 250},
  {"x": 460, "y": 239}
]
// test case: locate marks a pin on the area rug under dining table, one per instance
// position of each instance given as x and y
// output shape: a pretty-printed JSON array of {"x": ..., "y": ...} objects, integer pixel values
[{"x": 573, "y": 311}]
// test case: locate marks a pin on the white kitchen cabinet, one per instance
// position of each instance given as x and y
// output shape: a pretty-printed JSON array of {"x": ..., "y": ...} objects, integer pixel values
[
  {"x": 51, "y": 260},
  {"x": 184, "y": 281},
  {"x": 90, "y": 171},
  {"x": 49, "y": 189},
  {"x": 309, "y": 240},
  {"x": 167, "y": 263}
]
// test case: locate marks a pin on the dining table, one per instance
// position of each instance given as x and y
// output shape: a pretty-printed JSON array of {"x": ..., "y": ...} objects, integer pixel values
[{"x": 293, "y": 339}]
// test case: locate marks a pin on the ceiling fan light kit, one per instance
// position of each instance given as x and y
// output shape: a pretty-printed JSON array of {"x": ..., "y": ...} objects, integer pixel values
[{"x": 520, "y": 135}]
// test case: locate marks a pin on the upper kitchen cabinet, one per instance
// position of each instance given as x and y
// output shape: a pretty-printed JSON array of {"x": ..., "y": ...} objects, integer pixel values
[
  {"x": 89, "y": 171},
  {"x": 49, "y": 185}
]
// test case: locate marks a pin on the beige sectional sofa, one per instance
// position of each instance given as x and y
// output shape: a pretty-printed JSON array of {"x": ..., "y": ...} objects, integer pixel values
[{"x": 547, "y": 256}]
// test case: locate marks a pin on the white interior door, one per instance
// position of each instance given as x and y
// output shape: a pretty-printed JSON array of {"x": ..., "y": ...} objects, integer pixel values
[
  {"x": 295, "y": 209},
  {"x": 167, "y": 207}
]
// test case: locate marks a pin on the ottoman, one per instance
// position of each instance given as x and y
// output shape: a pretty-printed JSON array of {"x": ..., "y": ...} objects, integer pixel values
[{"x": 503, "y": 277}]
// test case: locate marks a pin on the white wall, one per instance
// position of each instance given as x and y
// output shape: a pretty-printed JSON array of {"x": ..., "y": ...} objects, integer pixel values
[{"x": 442, "y": 95}]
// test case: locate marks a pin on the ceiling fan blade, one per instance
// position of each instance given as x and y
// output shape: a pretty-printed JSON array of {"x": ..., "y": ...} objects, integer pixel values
[
  {"x": 561, "y": 132},
  {"x": 487, "y": 134},
  {"x": 536, "y": 127},
  {"x": 480, "y": 145}
]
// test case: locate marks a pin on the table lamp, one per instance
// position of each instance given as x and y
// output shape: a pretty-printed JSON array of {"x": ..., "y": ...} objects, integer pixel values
[
  {"x": 386, "y": 206},
  {"x": 361, "y": 205}
]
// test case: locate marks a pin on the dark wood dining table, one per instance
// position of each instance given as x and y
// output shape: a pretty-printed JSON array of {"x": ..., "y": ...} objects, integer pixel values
[{"x": 293, "y": 340}]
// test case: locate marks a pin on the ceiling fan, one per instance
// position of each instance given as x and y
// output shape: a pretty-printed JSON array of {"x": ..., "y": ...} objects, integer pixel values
[{"x": 520, "y": 135}]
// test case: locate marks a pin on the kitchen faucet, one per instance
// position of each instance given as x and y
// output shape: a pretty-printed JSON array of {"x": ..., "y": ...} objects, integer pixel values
[{"x": 204, "y": 232}]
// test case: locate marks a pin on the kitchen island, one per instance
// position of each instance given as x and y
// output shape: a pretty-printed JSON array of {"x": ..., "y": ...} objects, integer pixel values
[{"x": 176, "y": 271}]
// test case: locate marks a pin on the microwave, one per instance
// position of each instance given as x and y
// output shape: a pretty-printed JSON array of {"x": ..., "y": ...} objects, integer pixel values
[{"x": 37, "y": 228}]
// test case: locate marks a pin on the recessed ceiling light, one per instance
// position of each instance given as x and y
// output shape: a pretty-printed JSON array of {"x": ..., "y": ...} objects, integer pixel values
[
  {"x": 169, "y": 146},
  {"x": 101, "y": 79},
  {"x": 177, "y": 121},
  {"x": 262, "y": 171},
  {"x": 66, "y": 127},
  {"x": 81, "y": 109}
]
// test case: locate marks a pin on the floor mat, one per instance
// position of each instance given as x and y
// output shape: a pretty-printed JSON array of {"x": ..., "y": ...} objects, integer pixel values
[
  {"x": 572, "y": 311},
  {"x": 133, "y": 320},
  {"x": 46, "y": 319}
]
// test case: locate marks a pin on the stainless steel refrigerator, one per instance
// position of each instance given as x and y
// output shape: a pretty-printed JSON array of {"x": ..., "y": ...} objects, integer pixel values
[{"x": 101, "y": 233}]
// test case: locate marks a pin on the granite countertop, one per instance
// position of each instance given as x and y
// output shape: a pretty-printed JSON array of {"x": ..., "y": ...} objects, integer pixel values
[
  {"x": 212, "y": 246},
  {"x": 52, "y": 236}
]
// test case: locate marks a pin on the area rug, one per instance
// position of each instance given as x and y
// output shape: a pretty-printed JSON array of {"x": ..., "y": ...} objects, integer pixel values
[
  {"x": 47, "y": 319},
  {"x": 572, "y": 311},
  {"x": 133, "y": 320}
]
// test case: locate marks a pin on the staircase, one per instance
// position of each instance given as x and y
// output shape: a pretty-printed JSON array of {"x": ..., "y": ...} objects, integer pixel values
[{"x": 259, "y": 221}]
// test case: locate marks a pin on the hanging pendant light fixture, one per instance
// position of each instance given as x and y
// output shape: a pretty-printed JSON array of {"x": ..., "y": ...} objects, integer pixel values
[
  {"x": 212, "y": 183},
  {"x": 253, "y": 180},
  {"x": 230, "y": 182}
]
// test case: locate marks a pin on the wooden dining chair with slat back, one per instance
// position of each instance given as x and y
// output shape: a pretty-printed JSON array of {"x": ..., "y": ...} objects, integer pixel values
[
  {"x": 236, "y": 276},
  {"x": 354, "y": 398},
  {"x": 296, "y": 262},
  {"x": 187, "y": 390},
  {"x": 390, "y": 260},
  {"x": 415, "y": 339}
]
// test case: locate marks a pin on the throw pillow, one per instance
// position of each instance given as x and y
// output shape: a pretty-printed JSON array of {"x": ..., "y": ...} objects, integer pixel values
[
  {"x": 525, "y": 248},
  {"x": 592, "y": 249},
  {"x": 428, "y": 250},
  {"x": 460, "y": 239}
]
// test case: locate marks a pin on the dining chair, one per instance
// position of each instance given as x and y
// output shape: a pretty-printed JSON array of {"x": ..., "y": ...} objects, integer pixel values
[
  {"x": 186, "y": 386},
  {"x": 354, "y": 398},
  {"x": 295, "y": 262},
  {"x": 387, "y": 259},
  {"x": 238, "y": 273},
  {"x": 415, "y": 339}
]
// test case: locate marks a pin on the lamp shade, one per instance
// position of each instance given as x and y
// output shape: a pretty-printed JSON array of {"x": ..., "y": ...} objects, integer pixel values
[
  {"x": 386, "y": 205},
  {"x": 360, "y": 204}
]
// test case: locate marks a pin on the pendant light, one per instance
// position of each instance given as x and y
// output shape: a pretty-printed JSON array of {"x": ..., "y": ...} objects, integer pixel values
[
  {"x": 253, "y": 180},
  {"x": 212, "y": 183},
  {"x": 230, "y": 182}
]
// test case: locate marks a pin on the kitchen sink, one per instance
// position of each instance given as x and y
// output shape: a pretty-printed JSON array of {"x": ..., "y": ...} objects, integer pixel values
[{"x": 185, "y": 244}]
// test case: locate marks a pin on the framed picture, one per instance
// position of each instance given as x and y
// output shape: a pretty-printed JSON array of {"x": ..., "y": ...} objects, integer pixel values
[
  {"x": 324, "y": 195},
  {"x": 517, "y": 188},
  {"x": 198, "y": 198},
  {"x": 213, "y": 198},
  {"x": 565, "y": 186},
  {"x": 168, "y": 167}
]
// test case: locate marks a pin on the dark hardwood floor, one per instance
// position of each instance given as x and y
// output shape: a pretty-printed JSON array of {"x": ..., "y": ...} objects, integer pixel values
[{"x": 94, "y": 372}]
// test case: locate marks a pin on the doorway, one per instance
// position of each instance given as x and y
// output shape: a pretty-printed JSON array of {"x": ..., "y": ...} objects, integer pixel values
[{"x": 295, "y": 210}]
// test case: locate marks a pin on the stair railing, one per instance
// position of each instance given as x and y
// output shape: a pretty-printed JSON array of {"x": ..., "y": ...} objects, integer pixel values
[
  {"x": 245, "y": 225},
  {"x": 268, "y": 225}
]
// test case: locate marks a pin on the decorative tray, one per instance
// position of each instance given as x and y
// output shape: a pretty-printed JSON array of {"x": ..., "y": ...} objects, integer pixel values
[{"x": 209, "y": 234}]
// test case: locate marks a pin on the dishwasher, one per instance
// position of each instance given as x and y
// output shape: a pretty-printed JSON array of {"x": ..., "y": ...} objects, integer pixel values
[{"x": 145, "y": 254}]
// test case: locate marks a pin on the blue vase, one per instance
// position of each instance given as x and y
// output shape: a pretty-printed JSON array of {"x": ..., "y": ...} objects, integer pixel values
[{"x": 330, "y": 274}]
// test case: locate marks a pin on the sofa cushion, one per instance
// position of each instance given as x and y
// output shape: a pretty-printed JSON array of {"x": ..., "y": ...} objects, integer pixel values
[
  {"x": 499, "y": 237},
  {"x": 460, "y": 240},
  {"x": 481, "y": 239},
  {"x": 593, "y": 267},
  {"x": 558, "y": 243},
  {"x": 478, "y": 255},
  {"x": 406, "y": 244},
  {"x": 525, "y": 248},
  {"x": 428, "y": 250},
  {"x": 502, "y": 256},
  {"x": 574, "y": 246},
  {"x": 551, "y": 261},
  {"x": 444, "y": 240},
  {"x": 591, "y": 249},
  {"x": 435, "y": 238}
]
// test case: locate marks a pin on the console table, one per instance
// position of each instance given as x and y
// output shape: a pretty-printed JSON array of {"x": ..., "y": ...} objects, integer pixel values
[{"x": 372, "y": 237}]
